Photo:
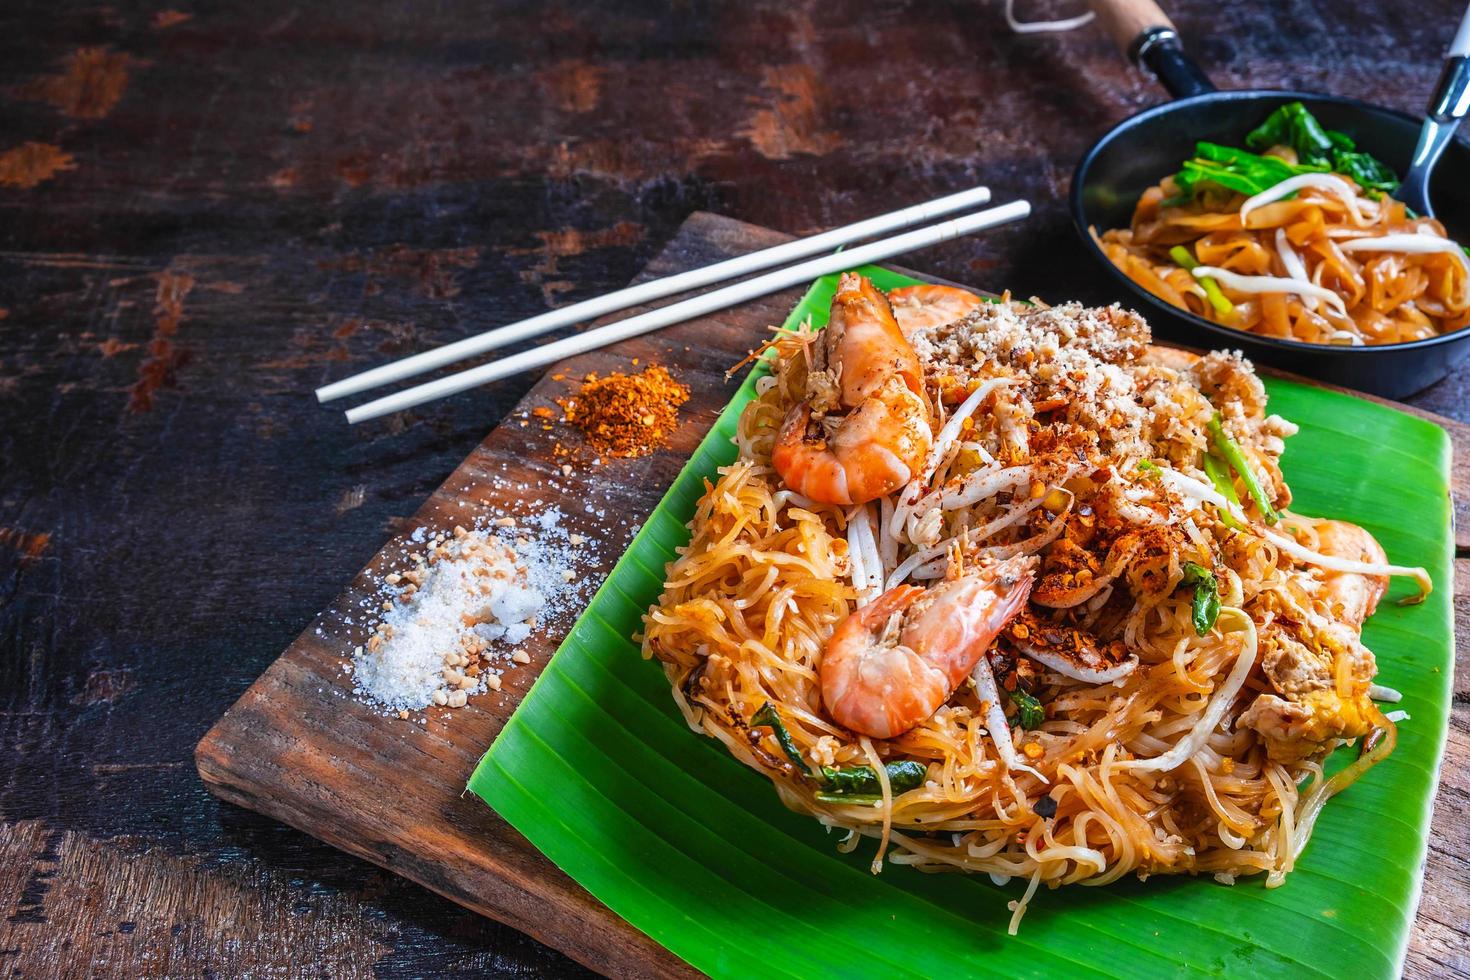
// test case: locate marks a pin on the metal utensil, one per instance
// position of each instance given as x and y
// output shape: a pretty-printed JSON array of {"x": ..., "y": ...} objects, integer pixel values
[{"x": 1447, "y": 107}]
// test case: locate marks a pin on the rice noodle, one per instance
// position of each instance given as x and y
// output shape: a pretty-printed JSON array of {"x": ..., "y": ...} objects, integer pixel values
[
  {"x": 1153, "y": 750},
  {"x": 1323, "y": 790},
  {"x": 1195, "y": 490},
  {"x": 1185, "y": 748},
  {"x": 886, "y": 792},
  {"x": 1416, "y": 244},
  {"x": 1018, "y": 909}
]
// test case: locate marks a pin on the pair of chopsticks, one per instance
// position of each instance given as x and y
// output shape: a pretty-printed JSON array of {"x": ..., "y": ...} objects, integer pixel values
[{"x": 675, "y": 312}]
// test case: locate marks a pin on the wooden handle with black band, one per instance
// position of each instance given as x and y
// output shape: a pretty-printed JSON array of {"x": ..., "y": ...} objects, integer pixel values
[{"x": 1127, "y": 20}]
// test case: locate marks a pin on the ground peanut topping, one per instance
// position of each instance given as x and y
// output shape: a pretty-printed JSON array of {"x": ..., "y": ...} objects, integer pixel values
[{"x": 627, "y": 415}]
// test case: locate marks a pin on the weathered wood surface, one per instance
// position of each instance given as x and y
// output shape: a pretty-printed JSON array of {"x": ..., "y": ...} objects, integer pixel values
[
  {"x": 222, "y": 207},
  {"x": 295, "y": 747}
]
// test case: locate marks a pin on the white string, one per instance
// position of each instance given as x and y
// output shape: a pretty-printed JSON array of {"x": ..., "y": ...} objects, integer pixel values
[{"x": 1043, "y": 26}]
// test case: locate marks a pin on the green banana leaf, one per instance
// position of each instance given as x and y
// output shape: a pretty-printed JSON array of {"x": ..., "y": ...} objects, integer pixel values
[{"x": 599, "y": 771}]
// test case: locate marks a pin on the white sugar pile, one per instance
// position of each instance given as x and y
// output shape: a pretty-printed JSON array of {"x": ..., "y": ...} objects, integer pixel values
[{"x": 454, "y": 619}]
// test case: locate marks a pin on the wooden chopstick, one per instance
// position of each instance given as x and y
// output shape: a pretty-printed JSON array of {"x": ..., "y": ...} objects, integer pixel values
[
  {"x": 688, "y": 309},
  {"x": 657, "y": 289}
]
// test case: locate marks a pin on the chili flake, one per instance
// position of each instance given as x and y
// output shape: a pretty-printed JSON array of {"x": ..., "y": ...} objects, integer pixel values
[{"x": 627, "y": 415}]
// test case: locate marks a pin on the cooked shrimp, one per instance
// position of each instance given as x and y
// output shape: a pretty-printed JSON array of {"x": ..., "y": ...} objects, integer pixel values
[
  {"x": 868, "y": 371},
  {"x": 1351, "y": 597},
  {"x": 931, "y": 306},
  {"x": 892, "y": 663}
]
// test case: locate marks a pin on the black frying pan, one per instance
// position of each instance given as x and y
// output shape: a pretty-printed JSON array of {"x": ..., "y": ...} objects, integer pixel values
[{"x": 1144, "y": 148}]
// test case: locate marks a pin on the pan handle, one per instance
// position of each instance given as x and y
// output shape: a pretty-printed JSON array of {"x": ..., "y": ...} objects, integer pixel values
[
  {"x": 1145, "y": 36},
  {"x": 1451, "y": 99},
  {"x": 1447, "y": 106}
]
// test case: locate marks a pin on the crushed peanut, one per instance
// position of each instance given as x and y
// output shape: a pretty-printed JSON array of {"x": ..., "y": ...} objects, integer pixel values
[{"x": 454, "y": 615}]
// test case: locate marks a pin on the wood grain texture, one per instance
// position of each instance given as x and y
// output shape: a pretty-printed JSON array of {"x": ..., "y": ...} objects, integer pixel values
[
  {"x": 207, "y": 210},
  {"x": 297, "y": 748}
]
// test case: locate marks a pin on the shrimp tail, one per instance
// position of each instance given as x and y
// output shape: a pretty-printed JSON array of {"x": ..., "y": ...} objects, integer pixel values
[{"x": 864, "y": 338}]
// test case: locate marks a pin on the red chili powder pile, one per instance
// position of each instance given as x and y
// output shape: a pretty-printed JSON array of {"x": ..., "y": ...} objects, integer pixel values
[{"x": 627, "y": 415}]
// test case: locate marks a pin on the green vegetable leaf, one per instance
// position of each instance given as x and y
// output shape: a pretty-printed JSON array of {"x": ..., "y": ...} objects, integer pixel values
[
  {"x": 1233, "y": 169},
  {"x": 1292, "y": 125},
  {"x": 1149, "y": 467},
  {"x": 1032, "y": 713},
  {"x": 857, "y": 781},
  {"x": 767, "y": 717},
  {"x": 1318, "y": 150},
  {"x": 849, "y": 784},
  {"x": 1231, "y": 452},
  {"x": 1206, "y": 607},
  {"x": 1369, "y": 172}
]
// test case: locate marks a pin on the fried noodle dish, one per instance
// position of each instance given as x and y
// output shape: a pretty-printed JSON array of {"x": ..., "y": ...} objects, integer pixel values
[
  {"x": 1299, "y": 242},
  {"x": 1012, "y": 591}
]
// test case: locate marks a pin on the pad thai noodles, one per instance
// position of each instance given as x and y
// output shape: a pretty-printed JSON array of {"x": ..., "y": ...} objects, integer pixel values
[
  {"x": 1300, "y": 241},
  {"x": 1010, "y": 590}
]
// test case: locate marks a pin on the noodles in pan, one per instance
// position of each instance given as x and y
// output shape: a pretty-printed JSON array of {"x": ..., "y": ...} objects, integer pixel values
[
  {"x": 1280, "y": 246},
  {"x": 1017, "y": 594}
]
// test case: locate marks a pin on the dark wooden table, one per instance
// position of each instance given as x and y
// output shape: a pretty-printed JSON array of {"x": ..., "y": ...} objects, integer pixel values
[{"x": 204, "y": 213}]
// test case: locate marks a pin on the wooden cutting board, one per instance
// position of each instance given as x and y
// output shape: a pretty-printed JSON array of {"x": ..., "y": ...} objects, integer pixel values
[{"x": 298, "y": 748}]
